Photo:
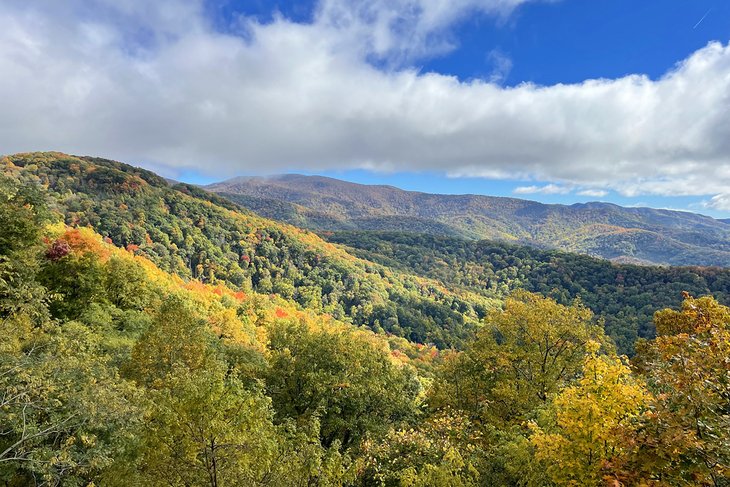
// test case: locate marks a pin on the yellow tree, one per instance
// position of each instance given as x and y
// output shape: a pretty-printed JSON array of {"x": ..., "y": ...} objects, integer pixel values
[
  {"x": 686, "y": 438},
  {"x": 522, "y": 356},
  {"x": 583, "y": 429}
]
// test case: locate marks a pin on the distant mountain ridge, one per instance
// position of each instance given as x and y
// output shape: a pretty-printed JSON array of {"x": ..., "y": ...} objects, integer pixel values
[{"x": 639, "y": 235}]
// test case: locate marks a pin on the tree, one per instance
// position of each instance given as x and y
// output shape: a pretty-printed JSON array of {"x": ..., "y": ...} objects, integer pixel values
[
  {"x": 584, "y": 428},
  {"x": 522, "y": 356},
  {"x": 65, "y": 415},
  {"x": 22, "y": 215},
  {"x": 205, "y": 428},
  {"x": 178, "y": 337},
  {"x": 126, "y": 284},
  {"x": 686, "y": 438},
  {"x": 338, "y": 375},
  {"x": 442, "y": 450}
]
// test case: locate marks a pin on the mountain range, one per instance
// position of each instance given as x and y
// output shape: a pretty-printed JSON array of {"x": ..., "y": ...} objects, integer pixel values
[
  {"x": 434, "y": 287},
  {"x": 621, "y": 234}
]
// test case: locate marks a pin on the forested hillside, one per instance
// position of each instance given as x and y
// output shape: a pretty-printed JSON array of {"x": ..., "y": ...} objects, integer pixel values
[
  {"x": 116, "y": 372},
  {"x": 640, "y": 235},
  {"x": 625, "y": 296},
  {"x": 424, "y": 288},
  {"x": 195, "y": 234}
]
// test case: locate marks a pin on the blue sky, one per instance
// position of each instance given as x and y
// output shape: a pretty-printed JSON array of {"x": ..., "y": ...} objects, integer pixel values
[
  {"x": 556, "y": 42},
  {"x": 558, "y": 101}
]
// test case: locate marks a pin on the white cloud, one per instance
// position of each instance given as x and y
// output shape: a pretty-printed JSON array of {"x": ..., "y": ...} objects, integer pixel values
[
  {"x": 153, "y": 82},
  {"x": 501, "y": 64},
  {"x": 718, "y": 202},
  {"x": 594, "y": 193},
  {"x": 546, "y": 189},
  {"x": 403, "y": 30},
  {"x": 526, "y": 189}
]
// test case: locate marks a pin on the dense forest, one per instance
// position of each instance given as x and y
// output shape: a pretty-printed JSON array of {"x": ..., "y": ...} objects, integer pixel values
[
  {"x": 195, "y": 234},
  {"x": 638, "y": 235},
  {"x": 115, "y": 371},
  {"x": 427, "y": 289},
  {"x": 625, "y": 296}
]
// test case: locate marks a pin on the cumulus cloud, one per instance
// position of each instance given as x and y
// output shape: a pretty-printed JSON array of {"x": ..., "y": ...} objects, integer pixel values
[{"x": 156, "y": 83}]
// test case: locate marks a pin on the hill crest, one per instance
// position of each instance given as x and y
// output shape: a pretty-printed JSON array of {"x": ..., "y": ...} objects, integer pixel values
[{"x": 658, "y": 236}]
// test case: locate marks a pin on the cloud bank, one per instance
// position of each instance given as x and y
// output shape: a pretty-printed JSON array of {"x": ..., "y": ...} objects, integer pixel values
[{"x": 157, "y": 83}]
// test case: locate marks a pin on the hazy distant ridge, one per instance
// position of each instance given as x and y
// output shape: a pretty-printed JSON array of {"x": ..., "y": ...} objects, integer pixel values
[{"x": 606, "y": 230}]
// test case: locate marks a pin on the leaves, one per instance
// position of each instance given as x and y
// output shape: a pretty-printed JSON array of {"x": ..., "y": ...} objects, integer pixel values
[
  {"x": 521, "y": 357},
  {"x": 345, "y": 379},
  {"x": 114, "y": 371},
  {"x": 584, "y": 428},
  {"x": 687, "y": 434}
]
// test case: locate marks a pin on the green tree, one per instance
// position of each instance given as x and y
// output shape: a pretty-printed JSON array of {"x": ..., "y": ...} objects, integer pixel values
[
  {"x": 65, "y": 415},
  {"x": 126, "y": 285},
  {"x": 442, "y": 450},
  {"x": 177, "y": 337},
  {"x": 22, "y": 216},
  {"x": 75, "y": 279},
  {"x": 205, "y": 428},
  {"x": 338, "y": 375}
]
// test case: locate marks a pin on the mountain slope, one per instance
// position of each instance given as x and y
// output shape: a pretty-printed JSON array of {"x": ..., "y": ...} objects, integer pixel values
[
  {"x": 625, "y": 296},
  {"x": 428, "y": 291},
  {"x": 642, "y": 235},
  {"x": 198, "y": 235},
  {"x": 116, "y": 373}
]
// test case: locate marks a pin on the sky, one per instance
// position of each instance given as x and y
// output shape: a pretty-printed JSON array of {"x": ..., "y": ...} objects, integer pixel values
[{"x": 559, "y": 101}]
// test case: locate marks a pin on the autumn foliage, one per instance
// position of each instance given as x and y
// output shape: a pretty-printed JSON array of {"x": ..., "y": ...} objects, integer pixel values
[{"x": 115, "y": 371}]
